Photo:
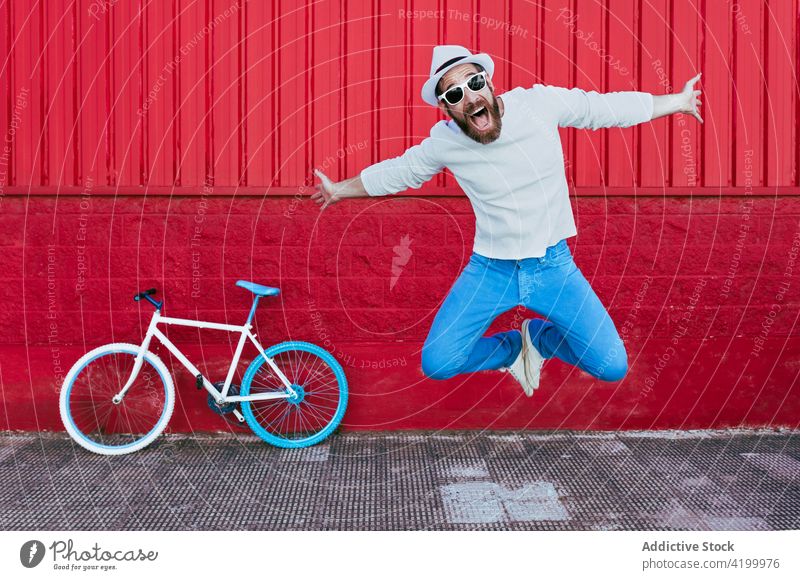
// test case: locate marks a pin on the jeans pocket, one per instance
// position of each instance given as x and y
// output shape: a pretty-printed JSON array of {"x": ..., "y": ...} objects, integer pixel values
[{"x": 559, "y": 254}]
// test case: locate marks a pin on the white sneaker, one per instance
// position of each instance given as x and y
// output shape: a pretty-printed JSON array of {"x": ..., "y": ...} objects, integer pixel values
[
  {"x": 533, "y": 359},
  {"x": 527, "y": 367}
]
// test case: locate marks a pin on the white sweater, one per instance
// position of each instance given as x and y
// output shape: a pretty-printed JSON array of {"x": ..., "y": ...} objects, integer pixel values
[{"x": 517, "y": 184}]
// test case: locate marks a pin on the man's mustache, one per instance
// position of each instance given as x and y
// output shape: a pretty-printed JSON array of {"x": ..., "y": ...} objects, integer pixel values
[{"x": 477, "y": 106}]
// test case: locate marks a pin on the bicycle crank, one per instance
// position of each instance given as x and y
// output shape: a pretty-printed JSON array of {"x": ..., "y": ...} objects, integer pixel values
[{"x": 224, "y": 409}]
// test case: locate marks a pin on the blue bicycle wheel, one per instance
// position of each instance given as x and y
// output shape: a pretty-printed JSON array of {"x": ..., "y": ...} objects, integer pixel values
[{"x": 320, "y": 395}]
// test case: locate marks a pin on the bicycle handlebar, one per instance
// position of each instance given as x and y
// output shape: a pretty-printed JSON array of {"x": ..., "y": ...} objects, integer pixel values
[{"x": 146, "y": 295}]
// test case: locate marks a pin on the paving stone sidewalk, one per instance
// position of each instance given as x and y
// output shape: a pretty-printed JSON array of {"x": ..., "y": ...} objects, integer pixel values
[{"x": 665, "y": 480}]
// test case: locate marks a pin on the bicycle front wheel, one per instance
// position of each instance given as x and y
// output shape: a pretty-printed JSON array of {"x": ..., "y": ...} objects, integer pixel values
[
  {"x": 89, "y": 413},
  {"x": 320, "y": 395}
]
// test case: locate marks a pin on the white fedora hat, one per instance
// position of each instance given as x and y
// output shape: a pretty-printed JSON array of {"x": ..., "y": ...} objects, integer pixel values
[{"x": 445, "y": 57}]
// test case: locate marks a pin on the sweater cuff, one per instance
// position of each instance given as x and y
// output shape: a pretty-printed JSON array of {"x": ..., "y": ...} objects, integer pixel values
[{"x": 371, "y": 181}]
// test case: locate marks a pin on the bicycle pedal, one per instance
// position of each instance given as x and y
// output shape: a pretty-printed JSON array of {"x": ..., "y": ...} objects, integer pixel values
[{"x": 199, "y": 382}]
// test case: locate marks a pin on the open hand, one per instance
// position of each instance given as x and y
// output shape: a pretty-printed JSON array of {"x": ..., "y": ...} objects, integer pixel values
[
  {"x": 691, "y": 98},
  {"x": 326, "y": 190}
]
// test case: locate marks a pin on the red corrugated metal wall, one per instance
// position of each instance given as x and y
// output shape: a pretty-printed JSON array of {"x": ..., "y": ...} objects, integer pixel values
[
  {"x": 163, "y": 143},
  {"x": 251, "y": 94}
]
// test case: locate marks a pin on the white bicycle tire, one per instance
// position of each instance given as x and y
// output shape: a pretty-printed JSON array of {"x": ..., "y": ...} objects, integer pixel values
[{"x": 169, "y": 400}]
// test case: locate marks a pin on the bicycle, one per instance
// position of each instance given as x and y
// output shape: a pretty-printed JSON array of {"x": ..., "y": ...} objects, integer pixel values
[{"x": 118, "y": 398}]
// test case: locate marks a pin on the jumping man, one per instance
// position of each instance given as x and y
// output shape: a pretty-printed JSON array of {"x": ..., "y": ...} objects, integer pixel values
[{"x": 505, "y": 152}]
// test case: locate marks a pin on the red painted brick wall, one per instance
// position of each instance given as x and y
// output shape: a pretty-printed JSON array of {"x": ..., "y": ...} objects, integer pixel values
[{"x": 692, "y": 284}]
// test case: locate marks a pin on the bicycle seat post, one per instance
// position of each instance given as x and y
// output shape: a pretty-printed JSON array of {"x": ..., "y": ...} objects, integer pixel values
[{"x": 252, "y": 310}]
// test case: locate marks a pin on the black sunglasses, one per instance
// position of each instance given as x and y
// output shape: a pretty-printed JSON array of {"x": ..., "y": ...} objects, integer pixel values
[{"x": 455, "y": 94}]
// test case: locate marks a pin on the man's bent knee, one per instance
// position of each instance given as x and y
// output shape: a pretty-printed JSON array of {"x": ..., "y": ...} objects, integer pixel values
[
  {"x": 438, "y": 364},
  {"x": 614, "y": 370}
]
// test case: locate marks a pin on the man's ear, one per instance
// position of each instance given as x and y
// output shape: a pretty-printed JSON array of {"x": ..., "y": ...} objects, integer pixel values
[{"x": 443, "y": 108}]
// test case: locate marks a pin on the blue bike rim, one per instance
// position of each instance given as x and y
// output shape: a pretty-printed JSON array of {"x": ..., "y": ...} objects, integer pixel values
[{"x": 314, "y": 400}]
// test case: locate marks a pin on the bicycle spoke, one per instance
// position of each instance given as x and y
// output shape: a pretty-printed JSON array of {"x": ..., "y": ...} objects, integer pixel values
[
  {"x": 313, "y": 414},
  {"x": 317, "y": 407}
]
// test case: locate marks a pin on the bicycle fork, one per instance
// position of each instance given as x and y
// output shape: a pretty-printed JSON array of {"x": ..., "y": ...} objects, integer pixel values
[{"x": 137, "y": 365}]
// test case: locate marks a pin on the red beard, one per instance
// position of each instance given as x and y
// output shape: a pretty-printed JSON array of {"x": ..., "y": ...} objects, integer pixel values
[{"x": 483, "y": 128}]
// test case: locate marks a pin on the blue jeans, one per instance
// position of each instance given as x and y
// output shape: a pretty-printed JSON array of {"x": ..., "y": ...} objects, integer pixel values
[{"x": 578, "y": 330}]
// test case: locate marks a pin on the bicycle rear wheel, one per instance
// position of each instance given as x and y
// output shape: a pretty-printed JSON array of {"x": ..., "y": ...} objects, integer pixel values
[
  {"x": 319, "y": 404},
  {"x": 91, "y": 417}
]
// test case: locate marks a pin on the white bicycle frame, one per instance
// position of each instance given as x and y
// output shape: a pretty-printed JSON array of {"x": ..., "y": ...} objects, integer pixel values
[{"x": 219, "y": 396}]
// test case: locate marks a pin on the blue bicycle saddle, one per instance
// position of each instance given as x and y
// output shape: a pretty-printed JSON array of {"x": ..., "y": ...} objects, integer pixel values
[{"x": 258, "y": 289}]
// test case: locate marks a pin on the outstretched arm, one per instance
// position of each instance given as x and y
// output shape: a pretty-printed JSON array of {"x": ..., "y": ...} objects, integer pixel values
[
  {"x": 686, "y": 101},
  {"x": 410, "y": 170},
  {"x": 329, "y": 192},
  {"x": 592, "y": 110}
]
